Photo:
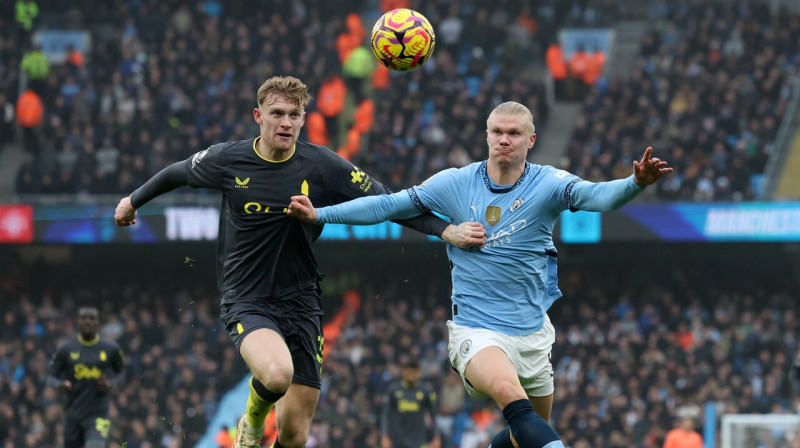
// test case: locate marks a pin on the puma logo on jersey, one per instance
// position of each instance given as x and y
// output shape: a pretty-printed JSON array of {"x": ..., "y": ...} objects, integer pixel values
[{"x": 242, "y": 183}]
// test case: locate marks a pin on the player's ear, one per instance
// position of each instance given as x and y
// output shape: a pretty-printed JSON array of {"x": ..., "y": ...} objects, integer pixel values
[
  {"x": 257, "y": 115},
  {"x": 533, "y": 140}
]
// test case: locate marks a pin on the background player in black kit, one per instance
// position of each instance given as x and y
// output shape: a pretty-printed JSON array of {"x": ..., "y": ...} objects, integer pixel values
[
  {"x": 409, "y": 412},
  {"x": 266, "y": 270},
  {"x": 87, "y": 369}
]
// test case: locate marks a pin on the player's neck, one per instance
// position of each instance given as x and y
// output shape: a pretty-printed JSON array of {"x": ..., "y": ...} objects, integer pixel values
[
  {"x": 273, "y": 154},
  {"x": 502, "y": 174},
  {"x": 92, "y": 339}
]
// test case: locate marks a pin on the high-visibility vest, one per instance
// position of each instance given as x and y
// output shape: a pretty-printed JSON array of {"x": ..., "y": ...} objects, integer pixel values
[
  {"x": 25, "y": 12},
  {"x": 35, "y": 65},
  {"x": 29, "y": 109},
  {"x": 578, "y": 65},
  {"x": 555, "y": 62},
  {"x": 331, "y": 98},
  {"x": 316, "y": 130}
]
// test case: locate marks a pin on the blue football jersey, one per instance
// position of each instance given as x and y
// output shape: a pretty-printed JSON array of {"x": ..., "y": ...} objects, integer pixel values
[{"x": 509, "y": 284}]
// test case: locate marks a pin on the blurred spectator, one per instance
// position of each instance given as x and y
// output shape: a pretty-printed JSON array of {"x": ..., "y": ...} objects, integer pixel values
[
  {"x": 25, "y": 13},
  {"x": 330, "y": 103},
  {"x": 557, "y": 67},
  {"x": 684, "y": 436},
  {"x": 578, "y": 65},
  {"x": 29, "y": 115},
  {"x": 36, "y": 68}
]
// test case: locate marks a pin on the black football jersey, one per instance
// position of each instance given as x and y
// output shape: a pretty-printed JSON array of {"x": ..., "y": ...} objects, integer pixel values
[
  {"x": 262, "y": 253},
  {"x": 404, "y": 410},
  {"x": 83, "y": 363}
]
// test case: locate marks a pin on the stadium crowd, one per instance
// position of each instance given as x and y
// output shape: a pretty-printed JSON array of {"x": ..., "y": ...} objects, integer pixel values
[
  {"x": 710, "y": 88},
  {"x": 163, "y": 80},
  {"x": 631, "y": 355}
]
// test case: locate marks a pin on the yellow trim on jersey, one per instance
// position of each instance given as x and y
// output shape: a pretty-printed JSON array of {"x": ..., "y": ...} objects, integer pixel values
[
  {"x": 94, "y": 341},
  {"x": 294, "y": 148}
]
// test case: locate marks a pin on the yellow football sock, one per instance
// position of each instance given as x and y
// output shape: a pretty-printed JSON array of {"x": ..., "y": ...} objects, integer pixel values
[{"x": 257, "y": 408}]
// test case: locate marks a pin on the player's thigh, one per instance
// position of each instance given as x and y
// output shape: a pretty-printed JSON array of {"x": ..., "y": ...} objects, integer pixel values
[
  {"x": 73, "y": 433},
  {"x": 490, "y": 371},
  {"x": 266, "y": 354},
  {"x": 542, "y": 405},
  {"x": 295, "y": 410},
  {"x": 95, "y": 431}
]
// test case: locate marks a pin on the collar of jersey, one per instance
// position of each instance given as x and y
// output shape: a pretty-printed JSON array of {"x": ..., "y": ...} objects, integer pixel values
[
  {"x": 294, "y": 148},
  {"x": 94, "y": 341},
  {"x": 488, "y": 182}
]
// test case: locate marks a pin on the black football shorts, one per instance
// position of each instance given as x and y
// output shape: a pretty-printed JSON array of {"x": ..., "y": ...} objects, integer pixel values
[{"x": 298, "y": 319}]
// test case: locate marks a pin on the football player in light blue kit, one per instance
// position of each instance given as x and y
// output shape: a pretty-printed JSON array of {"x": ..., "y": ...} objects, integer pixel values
[{"x": 500, "y": 335}]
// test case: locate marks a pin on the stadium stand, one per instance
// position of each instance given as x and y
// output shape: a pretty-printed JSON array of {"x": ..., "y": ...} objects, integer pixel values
[
  {"x": 710, "y": 89},
  {"x": 636, "y": 347}
]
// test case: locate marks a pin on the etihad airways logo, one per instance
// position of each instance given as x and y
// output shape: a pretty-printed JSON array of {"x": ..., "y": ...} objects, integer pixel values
[
  {"x": 502, "y": 237},
  {"x": 242, "y": 183}
]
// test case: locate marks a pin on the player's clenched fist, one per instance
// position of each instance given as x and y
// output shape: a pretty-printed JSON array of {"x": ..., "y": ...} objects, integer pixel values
[
  {"x": 302, "y": 209},
  {"x": 125, "y": 214}
]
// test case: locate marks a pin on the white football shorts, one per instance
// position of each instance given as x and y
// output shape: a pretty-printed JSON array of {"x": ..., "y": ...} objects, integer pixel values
[{"x": 529, "y": 353}]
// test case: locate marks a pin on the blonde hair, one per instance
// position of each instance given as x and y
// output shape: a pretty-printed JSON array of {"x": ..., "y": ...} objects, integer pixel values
[
  {"x": 294, "y": 90},
  {"x": 513, "y": 108}
]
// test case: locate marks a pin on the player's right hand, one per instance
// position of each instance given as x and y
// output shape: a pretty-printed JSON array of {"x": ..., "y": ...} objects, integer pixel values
[
  {"x": 465, "y": 235},
  {"x": 125, "y": 214},
  {"x": 67, "y": 385},
  {"x": 302, "y": 209}
]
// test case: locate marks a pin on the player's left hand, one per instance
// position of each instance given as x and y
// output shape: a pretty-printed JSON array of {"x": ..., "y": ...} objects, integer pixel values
[
  {"x": 125, "y": 214},
  {"x": 647, "y": 171},
  {"x": 103, "y": 385},
  {"x": 465, "y": 235},
  {"x": 302, "y": 209}
]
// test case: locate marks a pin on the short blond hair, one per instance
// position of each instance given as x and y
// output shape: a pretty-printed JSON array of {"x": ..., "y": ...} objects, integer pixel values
[
  {"x": 294, "y": 90},
  {"x": 513, "y": 108}
]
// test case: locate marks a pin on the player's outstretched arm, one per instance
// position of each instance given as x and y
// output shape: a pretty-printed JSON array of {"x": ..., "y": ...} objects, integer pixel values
[
  {"x": 375, "y": 209},
  {"x": 611, "y": 195},
  {"x": 166, "y": 180},
  {"x": 360, "y": 211}
]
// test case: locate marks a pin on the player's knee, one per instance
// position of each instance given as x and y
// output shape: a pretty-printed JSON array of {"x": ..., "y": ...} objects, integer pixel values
[
  {"x": 505, "y": 392},
  {"x": 293, "y": 437},
  {"x": 274, "y": 377}
]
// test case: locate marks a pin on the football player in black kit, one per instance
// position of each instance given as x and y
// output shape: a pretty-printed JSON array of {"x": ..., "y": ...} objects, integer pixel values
[
  {"x": 266, "y": 270},
  {"x": 409, "y": 412},
  {"x": 87, "y": 369}
]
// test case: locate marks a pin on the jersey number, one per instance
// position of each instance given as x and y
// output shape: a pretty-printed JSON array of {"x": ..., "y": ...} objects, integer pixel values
[{"x": 102, "y": 426}]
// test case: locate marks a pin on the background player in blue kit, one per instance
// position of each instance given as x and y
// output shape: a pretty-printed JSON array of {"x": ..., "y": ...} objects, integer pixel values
[{"x": 500, "y": 335}]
